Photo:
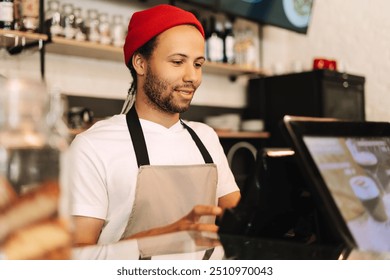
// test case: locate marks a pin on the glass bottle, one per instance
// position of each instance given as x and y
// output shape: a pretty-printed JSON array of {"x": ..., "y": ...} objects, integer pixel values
[
  {"x": 6, "y": 14},
  {"x": 215, "y": 41},
  {"x": 206, "y": 29},
  {"x": 92, "y": 26},
  {"x": 32, "y": 157},
  {"x": 229, "y": 42},
  {"x": 53, "y": 15}
]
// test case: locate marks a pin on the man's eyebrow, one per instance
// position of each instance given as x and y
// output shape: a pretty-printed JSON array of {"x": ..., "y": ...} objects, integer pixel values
[{"x": 186, "y": 56}]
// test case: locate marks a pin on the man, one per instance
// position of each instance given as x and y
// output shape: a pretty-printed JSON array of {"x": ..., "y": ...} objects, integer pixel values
[{"x": 147, "y": 172}]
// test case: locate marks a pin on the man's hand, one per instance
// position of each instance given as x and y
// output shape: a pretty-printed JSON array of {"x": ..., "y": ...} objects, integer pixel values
[
  {"x": 188, "y": 222},
  {"x": 191, "y": 220}
]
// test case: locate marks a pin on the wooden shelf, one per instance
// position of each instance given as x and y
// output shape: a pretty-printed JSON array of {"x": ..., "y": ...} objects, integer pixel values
[
  {"x": 60, "y": 45},
  {"x": 232, "y": 70},
  {"x": 27, "y": 35},
  {"x": 243, "y": 134},
  {"x": 88, "y": 49},
  {"x": 11, "y": 37}
]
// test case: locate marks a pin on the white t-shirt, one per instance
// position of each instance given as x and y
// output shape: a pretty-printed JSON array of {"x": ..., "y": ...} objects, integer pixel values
[{"x": 103, "y": 167}]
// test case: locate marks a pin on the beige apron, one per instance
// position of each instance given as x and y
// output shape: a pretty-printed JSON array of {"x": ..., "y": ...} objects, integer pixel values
[{"x": 164, "y": 194}]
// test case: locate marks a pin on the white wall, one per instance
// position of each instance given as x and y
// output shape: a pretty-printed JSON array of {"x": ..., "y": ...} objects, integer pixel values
[{"x": 355, "y": 33}]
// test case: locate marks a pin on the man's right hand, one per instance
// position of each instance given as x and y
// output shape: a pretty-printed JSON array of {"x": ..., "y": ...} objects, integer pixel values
[{"x": 188, "y": 222}]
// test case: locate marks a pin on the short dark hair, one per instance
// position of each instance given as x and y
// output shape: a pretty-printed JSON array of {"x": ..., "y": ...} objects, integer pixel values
[{"x": 146, "y": 51}]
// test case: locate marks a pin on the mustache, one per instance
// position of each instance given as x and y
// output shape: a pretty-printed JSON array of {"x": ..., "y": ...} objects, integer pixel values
[{"x": 186, "y": 86}]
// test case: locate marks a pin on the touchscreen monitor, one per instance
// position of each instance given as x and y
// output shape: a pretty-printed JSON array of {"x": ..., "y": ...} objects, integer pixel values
[{"x": 348, "y": 164}]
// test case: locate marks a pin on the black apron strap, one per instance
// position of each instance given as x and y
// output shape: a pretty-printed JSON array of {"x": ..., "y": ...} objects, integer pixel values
[
  {"x": 137, "y": 136},
  {"x": 139, "y": 144},
  {"x": 205, "y": 154}
]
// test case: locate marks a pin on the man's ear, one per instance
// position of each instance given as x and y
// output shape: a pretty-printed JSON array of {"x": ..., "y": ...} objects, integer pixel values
[{"x": 139, "y": 64}]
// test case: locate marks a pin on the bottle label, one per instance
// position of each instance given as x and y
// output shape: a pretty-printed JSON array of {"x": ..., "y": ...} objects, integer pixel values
[
  {"x": 30, "y": 8},
  {"x": 6, "y": 11}
]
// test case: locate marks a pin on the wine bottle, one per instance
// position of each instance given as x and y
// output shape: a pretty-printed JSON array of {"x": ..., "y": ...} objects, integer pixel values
[{"x": 6, "y": 14}]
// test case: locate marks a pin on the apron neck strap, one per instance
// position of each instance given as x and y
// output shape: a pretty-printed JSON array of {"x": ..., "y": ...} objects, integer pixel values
[
  {"x": 205, "y": 154},
  {"x": 138, "y": 138}
]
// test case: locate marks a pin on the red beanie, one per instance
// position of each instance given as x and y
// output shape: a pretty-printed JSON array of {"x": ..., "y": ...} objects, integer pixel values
[{"x": 144, "y": 25}]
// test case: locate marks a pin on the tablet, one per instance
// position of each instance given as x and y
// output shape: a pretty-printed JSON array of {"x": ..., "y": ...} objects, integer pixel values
[{"x": 347, "y": 165}]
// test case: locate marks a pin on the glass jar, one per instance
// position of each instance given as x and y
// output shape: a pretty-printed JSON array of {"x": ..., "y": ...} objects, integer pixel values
[
  {"x": 35, "y": 221},
  {"x": 215, "y": 41},
  {"x": 68, "y": 22},
  {"x": 79, "y": 25},
  {"x": 92, "y": 26},
  {"x": 118, "y": 31},
  {"x": 251, "y": 49},
  {"x": 30, "y": 15},
  {"x": 104, "y": 29},
  {"x": 53, "y": 15},
  {"x": 18, "y": 15}
]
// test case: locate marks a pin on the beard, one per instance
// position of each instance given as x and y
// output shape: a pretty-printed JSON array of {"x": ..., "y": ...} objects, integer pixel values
[{"x": 161, "y": 96}]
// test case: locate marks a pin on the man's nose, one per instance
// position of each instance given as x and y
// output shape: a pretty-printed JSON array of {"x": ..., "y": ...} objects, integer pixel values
[{"x": 192, "y": 74}]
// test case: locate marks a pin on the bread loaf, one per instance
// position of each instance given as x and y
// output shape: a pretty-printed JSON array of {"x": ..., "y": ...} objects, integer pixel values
[
  {"x": 7, "y": 194},
  {"x": 35, "y": 206},
  {"x": 48, "y": 239}
]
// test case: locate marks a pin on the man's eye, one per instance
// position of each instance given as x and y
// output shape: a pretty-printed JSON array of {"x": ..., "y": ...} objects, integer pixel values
[
  {"x": 198, "y": 64},
  {"x": 177, "y": 62}
]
